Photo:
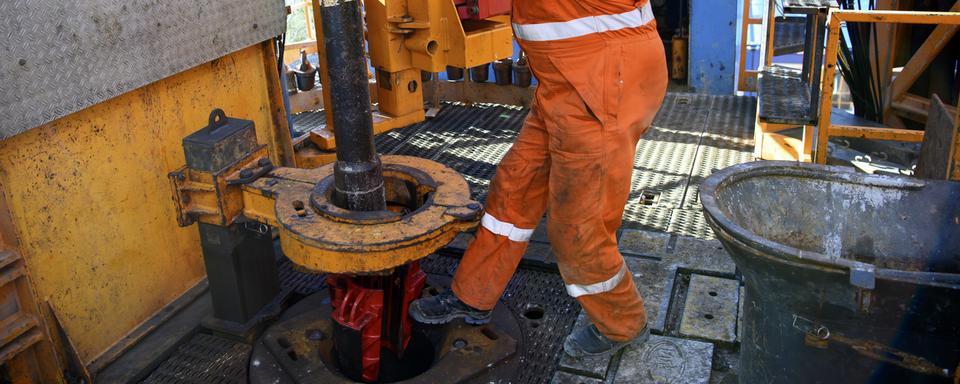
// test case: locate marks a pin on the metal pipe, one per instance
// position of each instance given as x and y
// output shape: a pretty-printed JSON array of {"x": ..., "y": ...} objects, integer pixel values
[{"x": 358, "y": 176}]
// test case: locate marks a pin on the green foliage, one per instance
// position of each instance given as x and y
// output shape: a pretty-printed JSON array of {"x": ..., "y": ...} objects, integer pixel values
[{"x": 297, "y": 25}]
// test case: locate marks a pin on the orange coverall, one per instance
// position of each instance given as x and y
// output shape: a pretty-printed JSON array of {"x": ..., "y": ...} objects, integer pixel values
[{"x": 602, "y": 76}]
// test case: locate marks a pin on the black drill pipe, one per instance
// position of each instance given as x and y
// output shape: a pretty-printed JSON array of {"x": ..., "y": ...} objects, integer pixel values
[{"x": 358, "y": 175}]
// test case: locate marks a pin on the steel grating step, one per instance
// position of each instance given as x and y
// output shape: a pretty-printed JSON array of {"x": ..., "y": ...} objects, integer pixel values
[
  {"x": 204, "y": 359},
  {"x": 788, "y": 35},
  {"x": 783, "y": 96}
]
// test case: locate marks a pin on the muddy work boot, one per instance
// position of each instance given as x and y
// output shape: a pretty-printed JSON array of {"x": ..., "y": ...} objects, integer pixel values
[
  {"x": 444, "y": 308},
  {"x": 588, "y": 342}
]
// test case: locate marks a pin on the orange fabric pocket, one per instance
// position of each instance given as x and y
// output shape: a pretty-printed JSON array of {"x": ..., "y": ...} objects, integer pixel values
[{"x": 576, "y": 182}]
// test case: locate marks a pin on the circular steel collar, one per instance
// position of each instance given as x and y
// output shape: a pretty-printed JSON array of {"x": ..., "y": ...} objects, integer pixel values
[{"x": 320, "y": 237}]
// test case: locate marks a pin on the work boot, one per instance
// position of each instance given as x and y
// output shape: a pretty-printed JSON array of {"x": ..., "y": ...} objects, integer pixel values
[
  {"x": 444, "y": 308},
  {"x": 588, "y": 341}
]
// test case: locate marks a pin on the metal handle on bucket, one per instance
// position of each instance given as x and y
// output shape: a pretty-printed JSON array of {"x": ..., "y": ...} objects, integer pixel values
[{"x": 818, "y": 335}]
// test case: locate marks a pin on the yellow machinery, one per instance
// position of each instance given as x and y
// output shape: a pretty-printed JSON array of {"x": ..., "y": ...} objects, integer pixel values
[
  {"x": 404, "y": 39},
  {"x": 92, "y": 256},
  {"x": 364, "y": 220}
]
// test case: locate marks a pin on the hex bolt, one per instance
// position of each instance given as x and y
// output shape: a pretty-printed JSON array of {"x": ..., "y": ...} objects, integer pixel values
[
  {"x": 315, "y": 335},
  {"x": 264, "y": 162},
  {"x": 474, "y": 206}
]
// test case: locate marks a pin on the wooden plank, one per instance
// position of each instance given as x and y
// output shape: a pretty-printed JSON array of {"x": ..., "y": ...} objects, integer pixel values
[
  {"x": 311, "y": 100},
  {"x": 938, "y": 149},
  {"x": 742, "y": 63},
  {"x": 470, "y": 92},
  {"x": 903, "y": 17},
  {"x": 894, "y": 134},
  {"x": 921, "y": 59},
  {"x": 916, "y": 108},
  {"x": 279, "y": 139}
]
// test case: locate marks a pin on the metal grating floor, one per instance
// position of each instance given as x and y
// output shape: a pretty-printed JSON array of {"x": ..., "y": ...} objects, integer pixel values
[
  {"x": 204, "y": 359},
  {"x": 692, "y": 136}
]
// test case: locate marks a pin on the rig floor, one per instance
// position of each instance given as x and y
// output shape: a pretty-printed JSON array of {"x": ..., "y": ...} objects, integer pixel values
[{"x": 689, "y": 283}]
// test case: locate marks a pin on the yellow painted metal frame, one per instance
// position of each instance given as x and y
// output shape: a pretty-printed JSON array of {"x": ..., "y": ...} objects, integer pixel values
[
  {"x": 26, "y": 349},
  {"x": 744, "y": 75},
  {"x": 322, "y": 243},
  {"x": 825, "y": 129},
  {"x": 90, "y": 200},
  {"x": 769, "y": 142},
  {"x": 404, "y": 38}
]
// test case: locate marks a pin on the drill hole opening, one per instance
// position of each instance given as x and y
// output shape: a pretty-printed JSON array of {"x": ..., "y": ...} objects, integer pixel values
[
  {"x": 432, "y": 47},
  {"x": 298, "y": 205},
  {"x": 533, "y": 312},
  {"x": 708, "y": 316},
  {"x": 412, "y": 86},
  {"x": 712, "y": 293}
]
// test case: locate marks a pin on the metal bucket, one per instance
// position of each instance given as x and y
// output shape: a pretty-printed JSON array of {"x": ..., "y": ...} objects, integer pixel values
[{"x": 850, "y": 278}]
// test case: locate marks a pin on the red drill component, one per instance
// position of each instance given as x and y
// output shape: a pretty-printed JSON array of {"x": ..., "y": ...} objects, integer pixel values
[
  {"x": 481, "y": 9},
  {"x": 375, "y": 307}
]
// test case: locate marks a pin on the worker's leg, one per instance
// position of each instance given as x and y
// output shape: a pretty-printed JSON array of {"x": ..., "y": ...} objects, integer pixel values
[
  {"x": 515, "y": 205},
  {"x": 611, "y": 93}
]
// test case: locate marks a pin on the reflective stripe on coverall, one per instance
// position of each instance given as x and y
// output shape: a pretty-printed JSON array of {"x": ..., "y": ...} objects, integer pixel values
[{"x": 600, "y": 86}]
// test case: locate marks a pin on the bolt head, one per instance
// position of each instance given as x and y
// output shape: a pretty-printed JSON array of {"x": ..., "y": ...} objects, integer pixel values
[
  {"x": 246, "y": 173},
  {"x": 315, "y": 335}
]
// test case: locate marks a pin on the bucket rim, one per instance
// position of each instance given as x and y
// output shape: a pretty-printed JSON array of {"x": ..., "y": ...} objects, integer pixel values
[{"x": 767, "y": 168}]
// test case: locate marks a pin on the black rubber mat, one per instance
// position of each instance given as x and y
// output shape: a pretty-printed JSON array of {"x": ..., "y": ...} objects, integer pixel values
[{"x": 204, "y": 359}]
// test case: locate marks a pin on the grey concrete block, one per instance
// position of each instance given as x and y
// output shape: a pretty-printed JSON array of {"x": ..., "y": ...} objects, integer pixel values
[
  {"x": 561, "y": 377},
  {"x": 637, "y": 242},
  {"x": 666, "y": 360},
  {"x": 740, "y": 315},
  {"x": 701, "y": 255},
  {"x": 651, "y": 280},
  {"x": 595, "y": 367},
  {"x": 711, "y": 307}
]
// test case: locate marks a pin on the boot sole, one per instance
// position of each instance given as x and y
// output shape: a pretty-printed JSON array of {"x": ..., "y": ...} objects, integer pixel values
[{"x": 416, "y": 315}]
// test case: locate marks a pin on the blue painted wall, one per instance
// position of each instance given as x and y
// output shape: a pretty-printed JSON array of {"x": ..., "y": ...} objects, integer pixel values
[{"x": 713, "y": 46}]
